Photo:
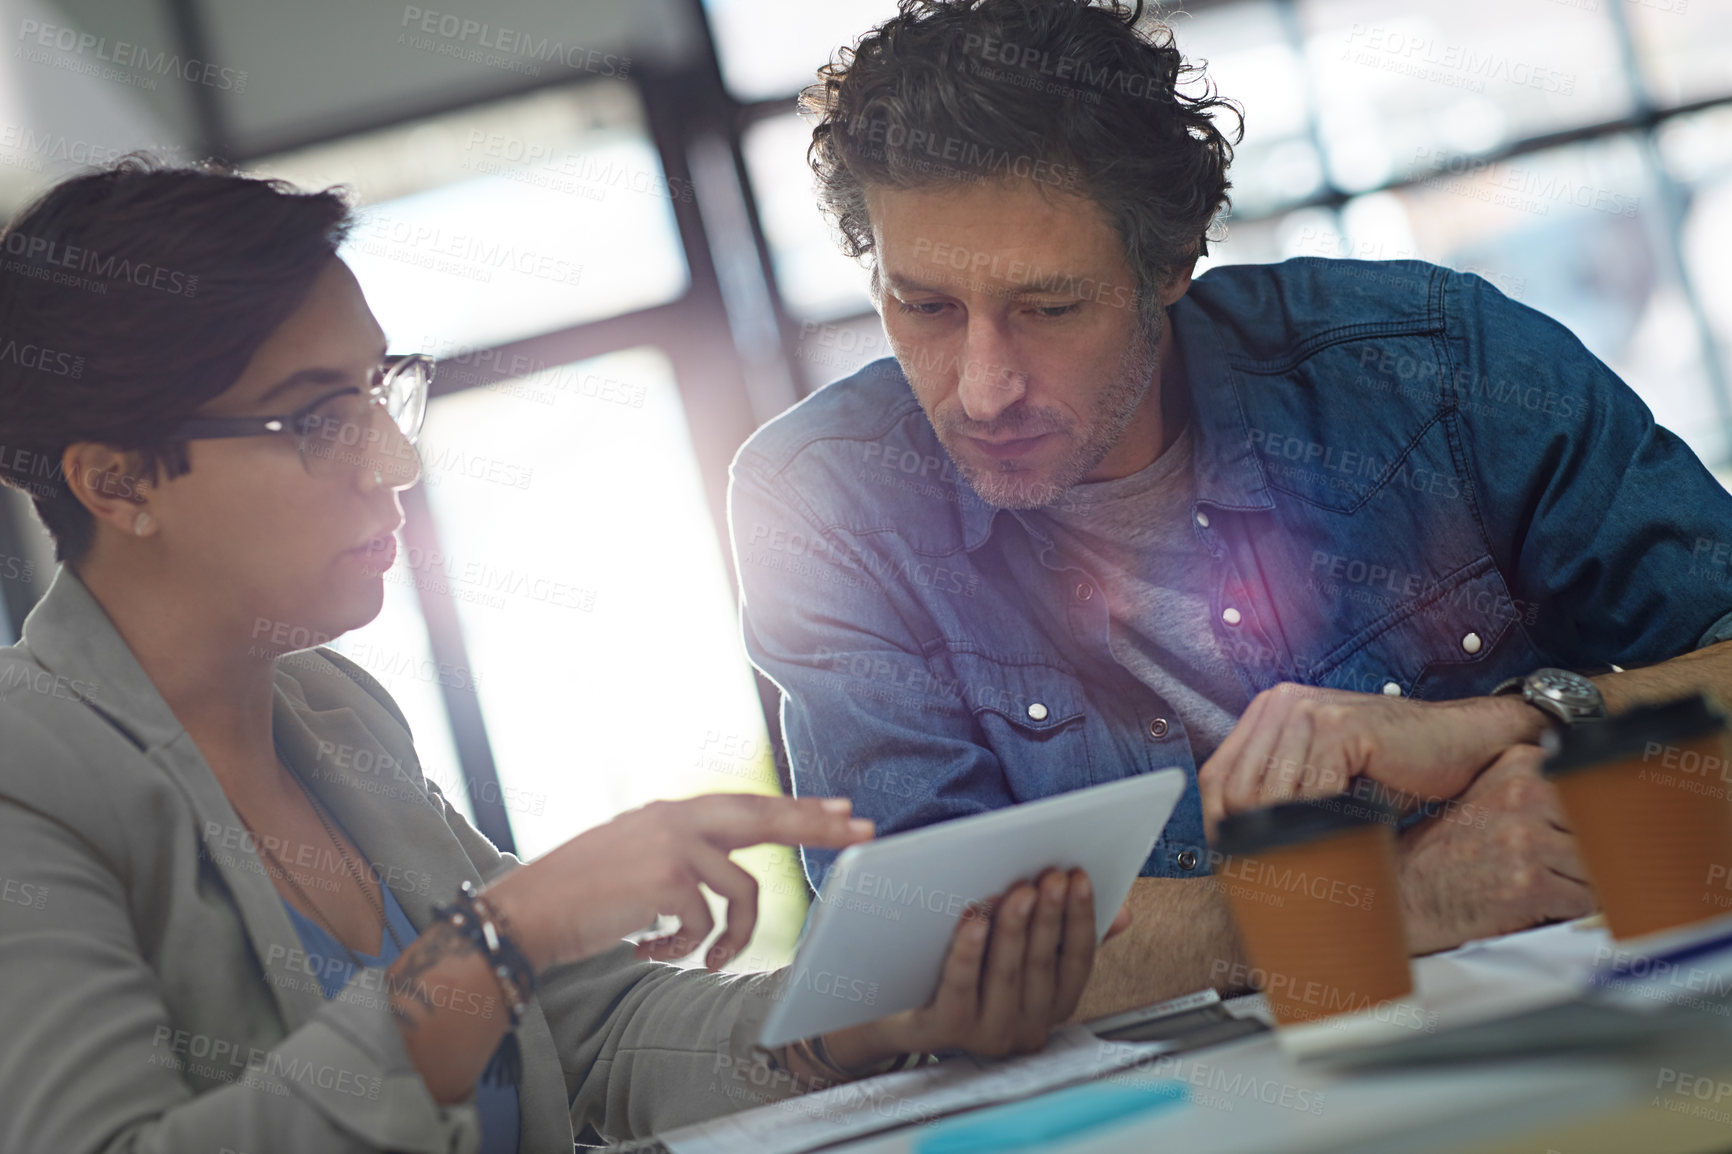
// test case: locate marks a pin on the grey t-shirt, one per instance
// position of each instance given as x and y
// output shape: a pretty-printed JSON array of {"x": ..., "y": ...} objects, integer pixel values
[{"x": 1135, "y": 535}]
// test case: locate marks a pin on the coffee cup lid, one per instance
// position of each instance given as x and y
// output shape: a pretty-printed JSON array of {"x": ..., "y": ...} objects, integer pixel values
[
  {"x": 1298, "y": 822},
  {"x": 1587, "y": 744}
]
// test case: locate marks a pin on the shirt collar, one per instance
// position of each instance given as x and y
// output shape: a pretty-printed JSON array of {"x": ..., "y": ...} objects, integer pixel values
[{"x": 1228, "y": 474}]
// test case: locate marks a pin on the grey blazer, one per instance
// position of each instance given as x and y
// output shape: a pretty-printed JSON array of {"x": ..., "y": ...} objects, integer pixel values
[{"x": 153, "y": 993}]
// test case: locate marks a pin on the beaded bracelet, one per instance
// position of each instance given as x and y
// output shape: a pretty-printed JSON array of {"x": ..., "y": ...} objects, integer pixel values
[{"x": 477, "y": 921}]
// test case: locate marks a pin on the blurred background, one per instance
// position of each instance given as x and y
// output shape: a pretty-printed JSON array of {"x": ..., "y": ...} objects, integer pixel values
[{"x": 597, "y": 214}]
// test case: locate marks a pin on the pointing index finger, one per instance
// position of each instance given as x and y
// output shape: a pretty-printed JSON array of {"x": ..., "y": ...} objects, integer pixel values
[{"x": 736, "y": 820}]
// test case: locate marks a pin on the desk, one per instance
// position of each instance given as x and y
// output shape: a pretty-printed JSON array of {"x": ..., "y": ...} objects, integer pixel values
[
  {"x": 1248, "y": 1097},
  {"x": 1582, "y": 1105}
]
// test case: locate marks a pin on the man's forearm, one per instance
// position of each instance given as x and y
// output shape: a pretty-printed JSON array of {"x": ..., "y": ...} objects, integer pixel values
[
  {"x": 1180, "y": 939},
  {"x": 1707, "y": 670}
]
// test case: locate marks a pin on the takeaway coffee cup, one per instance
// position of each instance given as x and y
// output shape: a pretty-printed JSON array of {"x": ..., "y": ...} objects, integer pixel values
[
  {"x": 1313, "y": 892},
  {"x": 1648, "y": 795}
]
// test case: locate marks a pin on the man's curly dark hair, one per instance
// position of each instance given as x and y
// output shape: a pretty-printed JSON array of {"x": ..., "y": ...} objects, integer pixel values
[{"x": 1075, "y": 95}]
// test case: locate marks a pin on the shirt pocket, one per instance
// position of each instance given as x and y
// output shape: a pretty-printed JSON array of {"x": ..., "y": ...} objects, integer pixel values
[
  {"x": 1314, "y": 440},
  {"x": 1033, "y": 716},
  {"x": 1431, "y": 644}
]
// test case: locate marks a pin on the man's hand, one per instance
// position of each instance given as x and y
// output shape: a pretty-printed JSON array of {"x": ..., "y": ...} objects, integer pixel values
[
  {"x": 1010, "y": 977},
  {"x": 1500, "y": 861},
  {"x": 1298, "y": 741}
]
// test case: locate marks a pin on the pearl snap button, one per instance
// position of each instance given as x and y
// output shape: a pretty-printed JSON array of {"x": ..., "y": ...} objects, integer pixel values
[
  {"x": 1187, "y": 859},
  {"x": 1085, "y": 591},
  {"x": 1471, "y": 643},
  {"x": 1158, "y": 727},
  {"x": 1202, "y": 519},
  {"x": 1390, "y": 689},
  {"x": 1037, "y": 711},
  {"x": 1231, "y": 615}
]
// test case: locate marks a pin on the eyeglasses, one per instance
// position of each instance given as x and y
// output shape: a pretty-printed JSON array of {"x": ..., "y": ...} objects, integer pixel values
[{"x": 340, "y": 429}]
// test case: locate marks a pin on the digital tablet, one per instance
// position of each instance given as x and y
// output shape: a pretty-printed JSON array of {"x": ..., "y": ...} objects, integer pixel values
[{"x": 875, "y": 941}]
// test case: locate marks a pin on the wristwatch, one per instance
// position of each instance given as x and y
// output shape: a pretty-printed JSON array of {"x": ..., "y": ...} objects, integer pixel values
[{"x": 1565, "y": 697}]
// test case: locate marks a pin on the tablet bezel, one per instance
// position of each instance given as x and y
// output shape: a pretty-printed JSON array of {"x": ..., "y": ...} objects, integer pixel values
[{"x": 851, "y": 967}]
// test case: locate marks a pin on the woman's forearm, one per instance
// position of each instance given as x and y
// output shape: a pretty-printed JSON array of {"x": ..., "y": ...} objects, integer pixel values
[{"x": 449, "y": 1008}]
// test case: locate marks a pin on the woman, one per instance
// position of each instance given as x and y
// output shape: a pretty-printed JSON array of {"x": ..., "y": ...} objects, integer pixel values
[{"x": 220, "y": 932}]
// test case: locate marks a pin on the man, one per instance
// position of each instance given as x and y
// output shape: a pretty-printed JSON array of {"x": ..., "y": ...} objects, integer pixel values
[{"x": 1292, "y": 524}]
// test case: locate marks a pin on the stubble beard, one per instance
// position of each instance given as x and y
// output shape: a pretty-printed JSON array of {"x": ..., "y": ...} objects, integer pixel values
[{"x": 1010, "y": 486}]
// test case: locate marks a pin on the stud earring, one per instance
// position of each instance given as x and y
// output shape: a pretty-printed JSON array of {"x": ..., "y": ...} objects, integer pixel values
[{"x": 142, "y": 524}]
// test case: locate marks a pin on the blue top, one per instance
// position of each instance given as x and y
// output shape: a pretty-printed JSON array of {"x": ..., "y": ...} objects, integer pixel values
[
  {"x": 500, "y": 1116},
  {"x": 1404, "y": 482}
]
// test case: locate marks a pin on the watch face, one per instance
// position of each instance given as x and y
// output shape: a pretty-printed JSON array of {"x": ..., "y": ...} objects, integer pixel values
[{"x": 1570, "y": 690}]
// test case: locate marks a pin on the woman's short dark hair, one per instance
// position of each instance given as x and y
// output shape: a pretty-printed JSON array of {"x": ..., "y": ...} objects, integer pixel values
[
  {"x": 130, "y": 296},
  {"x": 1071, "y": 94}
]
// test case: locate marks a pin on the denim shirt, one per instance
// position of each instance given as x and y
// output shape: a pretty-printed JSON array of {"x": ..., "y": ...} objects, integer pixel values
[{"x": 1408, "y": 484}]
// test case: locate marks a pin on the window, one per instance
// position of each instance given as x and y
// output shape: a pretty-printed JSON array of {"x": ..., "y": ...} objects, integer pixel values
[
  {"x": 1250, "y": 58},
  {"x": 768, "y": 48},
  {"x": 1682, "y": 47},
  {"x": 817, "y": 281},
  {"x": 1696, "y": 154},
  {"x": 1400, "y": 84},
  {"x": 1439, "y": 141},
  {"x": 595, "y": 606},
  {"x": 507, "y": 221}
]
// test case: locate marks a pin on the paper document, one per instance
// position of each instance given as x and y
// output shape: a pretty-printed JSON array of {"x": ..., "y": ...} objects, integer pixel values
[{"x": 857, "y": 1109}]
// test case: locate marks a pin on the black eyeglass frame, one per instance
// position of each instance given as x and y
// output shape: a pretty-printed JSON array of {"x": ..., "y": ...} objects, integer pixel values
[{"x": 216, "y": 428}]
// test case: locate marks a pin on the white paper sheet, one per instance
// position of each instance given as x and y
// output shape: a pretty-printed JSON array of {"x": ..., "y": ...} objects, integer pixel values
[{"x": 866, "y": 1107}]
